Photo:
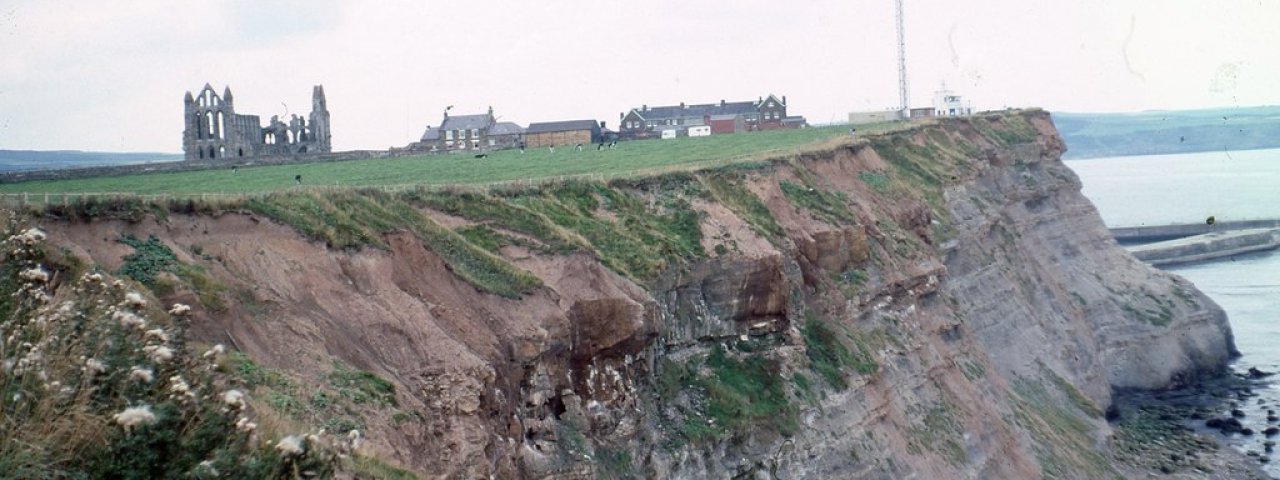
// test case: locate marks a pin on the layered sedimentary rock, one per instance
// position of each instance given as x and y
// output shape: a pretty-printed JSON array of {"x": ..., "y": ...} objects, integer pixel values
[{"x": 939, "y": 302}]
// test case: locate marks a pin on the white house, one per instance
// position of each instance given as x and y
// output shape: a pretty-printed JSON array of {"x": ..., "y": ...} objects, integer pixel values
[{"x": 947, "y": 104}]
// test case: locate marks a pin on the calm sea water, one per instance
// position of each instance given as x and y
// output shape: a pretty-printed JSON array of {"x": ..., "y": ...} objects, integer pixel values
[
  {"x": 1186, "y": 188},
  {"x": 1183, "y": 188}
]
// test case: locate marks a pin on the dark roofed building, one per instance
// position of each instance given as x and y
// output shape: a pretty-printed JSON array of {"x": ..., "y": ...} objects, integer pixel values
[
  {"x": 766, "y": 113},
  {"x": 571, "y": 132},
  {"x": 469, "y": 132}
]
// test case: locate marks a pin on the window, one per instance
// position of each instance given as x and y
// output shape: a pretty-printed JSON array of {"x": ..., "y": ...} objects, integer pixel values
[
  {"x": 492, "y": 142},
  {"x": 448, "y": 134},
  {"x": 475, "y": 133}
]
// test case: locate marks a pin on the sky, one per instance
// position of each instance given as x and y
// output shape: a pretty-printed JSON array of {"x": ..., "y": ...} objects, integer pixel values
[{"x": 110, "y": 75}]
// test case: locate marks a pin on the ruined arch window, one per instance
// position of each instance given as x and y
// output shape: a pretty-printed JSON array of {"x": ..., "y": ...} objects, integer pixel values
[
  {"x": 289, "y": 135},
  {"x": 208, "y": 119},
  {"x": 222, "y": 126},
  {"x": 200, "y": 152},
  {"x": 199, "y": 126},
  {"x": 212, "y": 153},
  {"x": 240, "y": 152}
]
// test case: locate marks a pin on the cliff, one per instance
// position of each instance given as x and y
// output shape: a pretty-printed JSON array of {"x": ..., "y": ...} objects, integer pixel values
[{"x": 937, "y": 302}]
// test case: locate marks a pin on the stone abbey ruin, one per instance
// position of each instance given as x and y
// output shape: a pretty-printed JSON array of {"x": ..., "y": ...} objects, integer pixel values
[{"x": 215, "y": 130}]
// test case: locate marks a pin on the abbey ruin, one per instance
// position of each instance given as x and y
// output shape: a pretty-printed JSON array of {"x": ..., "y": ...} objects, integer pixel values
[{"x": 215, "y": 130}]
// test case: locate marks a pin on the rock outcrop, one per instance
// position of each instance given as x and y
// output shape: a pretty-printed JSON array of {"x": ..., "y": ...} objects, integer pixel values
[{"x": 936, "y": 302}]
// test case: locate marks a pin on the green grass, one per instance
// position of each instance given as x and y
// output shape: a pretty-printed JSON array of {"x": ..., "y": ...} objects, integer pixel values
[
  {"x": 736, "y": 392},
  {"x": 640, "y": 240},
  {"x": 830, "y": 206},
  {"x": 630, "y": 158},
  {"x": 830, "y": 358},
  {"x": 733, "y": 194},
  {"x": 351, "y": 219}
]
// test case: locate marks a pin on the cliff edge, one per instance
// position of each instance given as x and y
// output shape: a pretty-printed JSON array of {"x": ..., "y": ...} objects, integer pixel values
[{"x": 937, "y": 302}]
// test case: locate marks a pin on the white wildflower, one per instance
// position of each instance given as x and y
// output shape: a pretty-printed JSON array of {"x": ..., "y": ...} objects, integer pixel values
[
  {"x": 207, "y": 466},
  {"x": 94, "y": 367},
  {"x": 290, "y": 446},
  {"x": 134, "y": 416},
  {"x": 36, "y": 274},
  {"x": 93, "y": 277},
  {"x": 233, "y": 399},
  {"x": 244, "y": 425},
  {"x": 129, "y": 320},
  {"x": 179, "y": 386},
  {"x": 134, "y": 299},
  {"x": 179, "y": 310},
  {"x": 157, "y": 334},
  {"x": 30, "y": 236},
  {"x": 354, "y": 438},
  {"x": 159, "y": 354},
  {"x": 215, "y": 351},
  {"x": 139, "y": 374}
]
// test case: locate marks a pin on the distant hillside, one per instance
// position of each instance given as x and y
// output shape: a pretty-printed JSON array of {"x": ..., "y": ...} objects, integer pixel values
[
  {"x": 40, "y": 160},
  {"x": 1091, "y": 135}
]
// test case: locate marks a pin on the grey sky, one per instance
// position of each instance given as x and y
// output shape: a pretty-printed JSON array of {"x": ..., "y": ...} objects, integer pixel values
[{"x": 98, "y": 75}]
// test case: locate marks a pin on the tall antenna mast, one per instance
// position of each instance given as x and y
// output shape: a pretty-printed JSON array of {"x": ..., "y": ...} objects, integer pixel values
[{"x": 904, "y": 105}]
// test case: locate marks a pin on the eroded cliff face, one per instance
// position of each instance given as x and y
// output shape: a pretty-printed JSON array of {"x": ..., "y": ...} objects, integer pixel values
[{"x": 938, "y": 302}]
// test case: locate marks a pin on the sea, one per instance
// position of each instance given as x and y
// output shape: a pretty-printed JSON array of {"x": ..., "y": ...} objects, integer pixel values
[{"x": 1188, "y": 188}]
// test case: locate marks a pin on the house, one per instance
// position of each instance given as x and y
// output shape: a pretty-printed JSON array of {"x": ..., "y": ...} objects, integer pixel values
[
  {"x": 947, "y": 104},
  {"x": 766, "y": 113},
  {"x": 469, "y": 133},
  {"x": 505, "y": 135},
  {"x": 571, "y": 132}
]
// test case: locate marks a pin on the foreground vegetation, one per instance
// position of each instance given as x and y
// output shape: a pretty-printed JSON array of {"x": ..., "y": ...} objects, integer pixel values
[{"x": 100, "y": 382}]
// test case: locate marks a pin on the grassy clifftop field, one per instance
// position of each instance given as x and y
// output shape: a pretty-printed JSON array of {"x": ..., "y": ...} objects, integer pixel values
[{"x": 628, "y": 159}]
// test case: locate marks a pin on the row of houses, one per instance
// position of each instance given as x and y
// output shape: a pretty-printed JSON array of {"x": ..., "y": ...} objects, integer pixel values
[{"x": 483, "y": 132}]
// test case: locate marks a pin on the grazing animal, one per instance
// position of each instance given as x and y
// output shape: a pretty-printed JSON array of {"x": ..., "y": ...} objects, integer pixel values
[
  {"x": 578, "y": 146},
  {"x": 482, "y": 155}
]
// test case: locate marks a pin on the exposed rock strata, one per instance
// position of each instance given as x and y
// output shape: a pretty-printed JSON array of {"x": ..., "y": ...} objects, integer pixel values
[{"x": 989, "y": 318}]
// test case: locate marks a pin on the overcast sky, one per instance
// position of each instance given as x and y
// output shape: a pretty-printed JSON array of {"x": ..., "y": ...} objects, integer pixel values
[{"x": 110, "y": 75}]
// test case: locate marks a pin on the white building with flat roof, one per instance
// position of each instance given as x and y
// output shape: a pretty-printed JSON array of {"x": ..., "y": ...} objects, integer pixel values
[{"x": 947, "y": 104}]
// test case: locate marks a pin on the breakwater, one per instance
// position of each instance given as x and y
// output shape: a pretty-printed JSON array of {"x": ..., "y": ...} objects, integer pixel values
[{"x": 1207, "y": 246}]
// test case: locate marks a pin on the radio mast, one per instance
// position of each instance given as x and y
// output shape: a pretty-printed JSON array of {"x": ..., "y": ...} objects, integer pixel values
[{"x": 904, "y": 106}]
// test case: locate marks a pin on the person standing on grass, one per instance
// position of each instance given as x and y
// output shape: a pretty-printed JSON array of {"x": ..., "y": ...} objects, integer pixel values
[{"x": 552, "y": 147}]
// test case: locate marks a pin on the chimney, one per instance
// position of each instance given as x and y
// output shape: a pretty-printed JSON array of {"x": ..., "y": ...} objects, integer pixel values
[
  {"x": 682, "y": 105},
  {"x": 644, "y": 108},
  {"x": 784, "y": 100},
  {"x": 722, "y": 102}
]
